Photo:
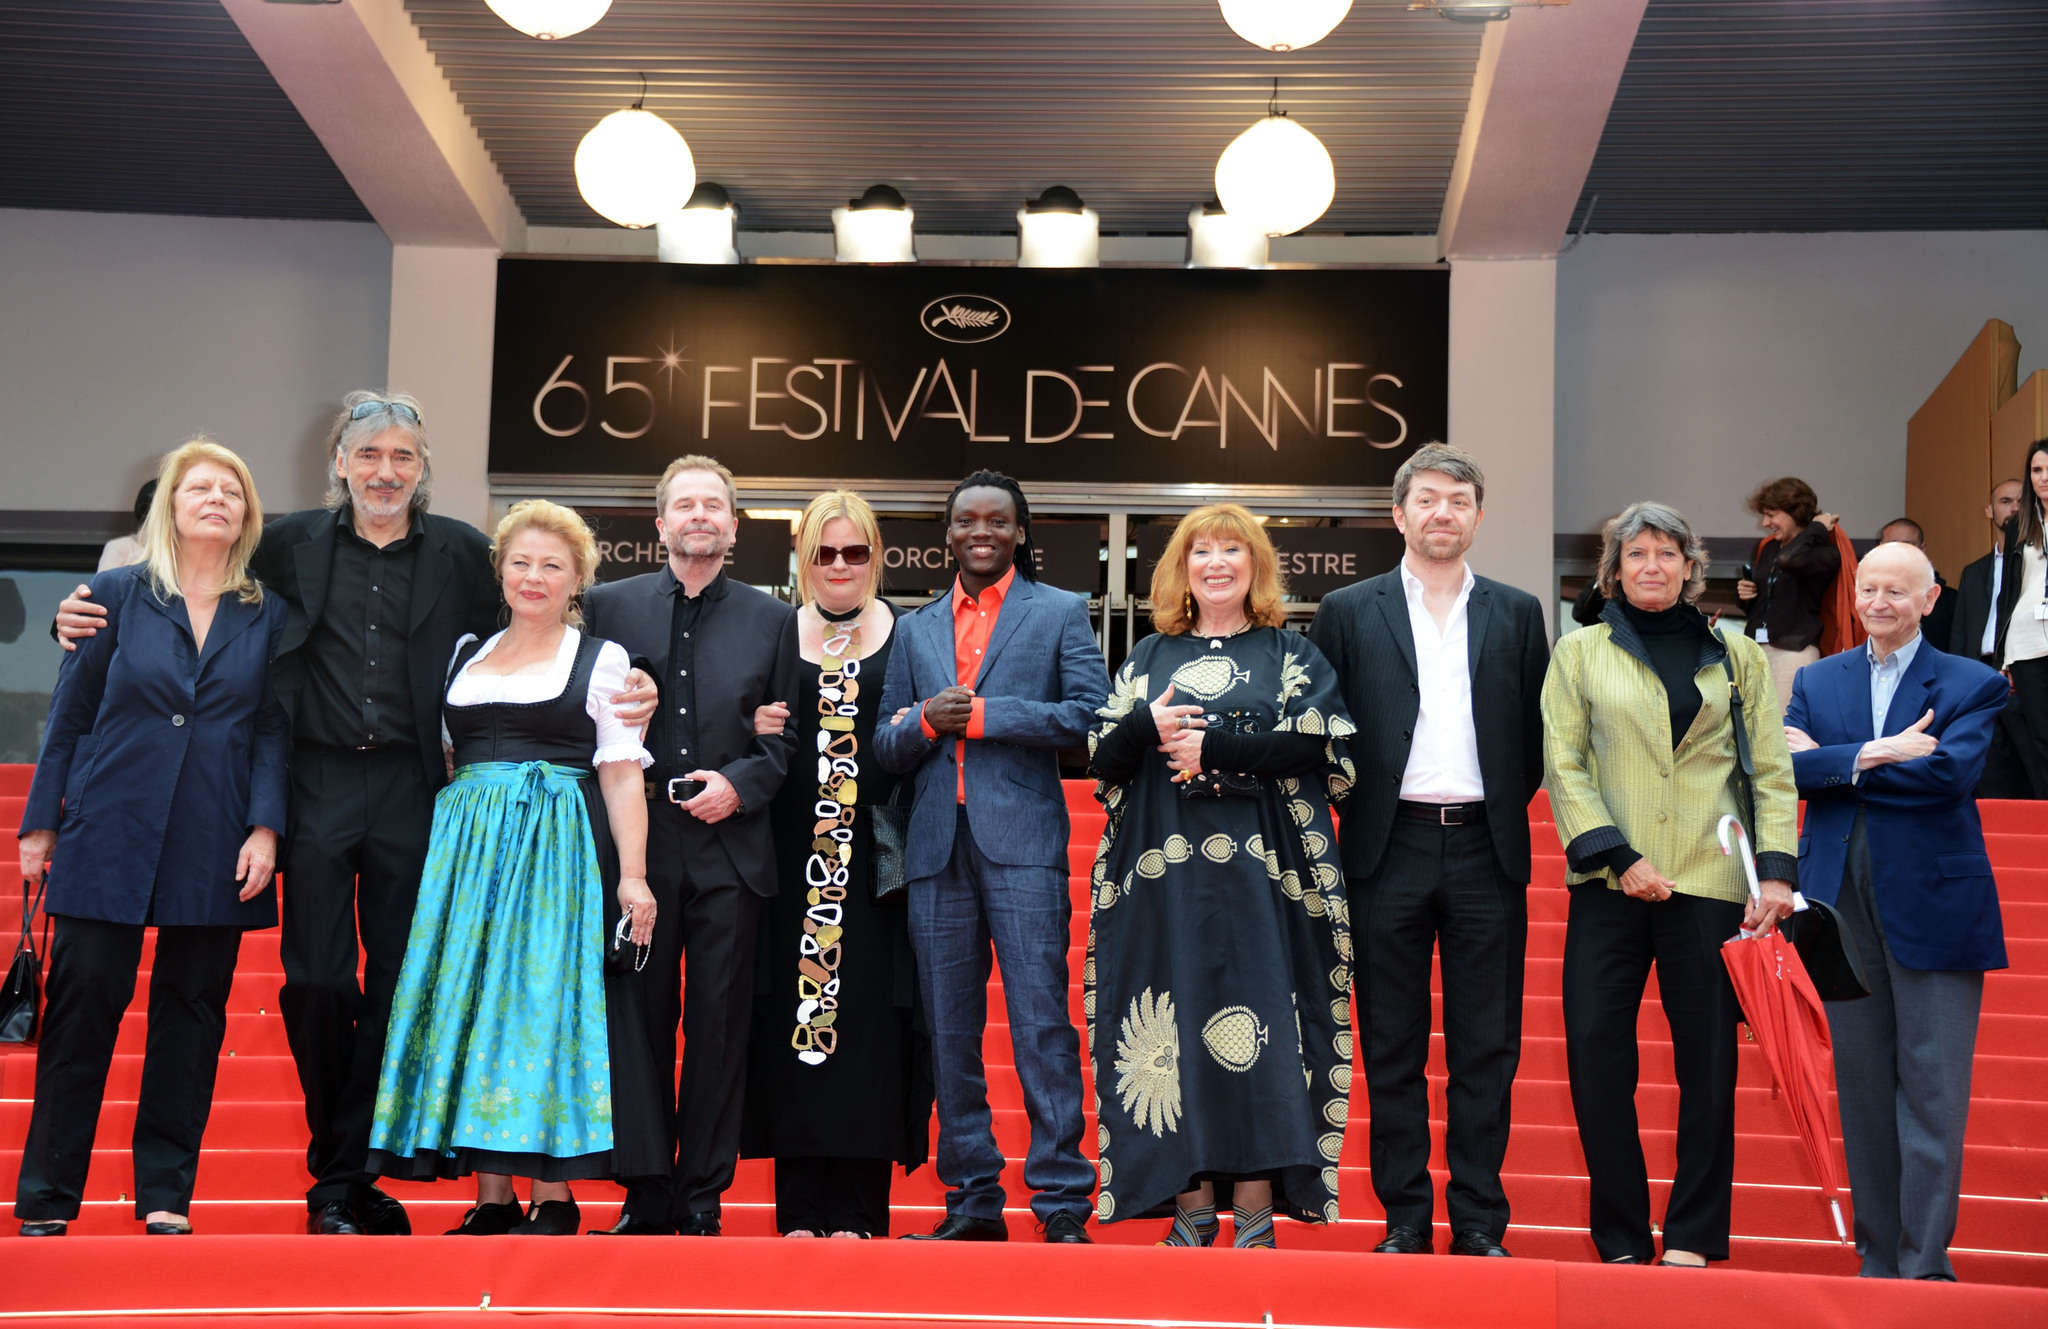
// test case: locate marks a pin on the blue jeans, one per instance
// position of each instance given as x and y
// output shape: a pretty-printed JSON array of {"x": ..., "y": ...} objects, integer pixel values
[{"x": 1025, "y": 912}]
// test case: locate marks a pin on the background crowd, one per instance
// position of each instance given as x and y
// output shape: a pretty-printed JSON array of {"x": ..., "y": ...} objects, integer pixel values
[{"x": 558, "y": 820}]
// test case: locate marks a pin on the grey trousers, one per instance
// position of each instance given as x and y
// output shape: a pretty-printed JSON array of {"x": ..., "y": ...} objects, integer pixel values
[{"x": 1902, "y": 1070}]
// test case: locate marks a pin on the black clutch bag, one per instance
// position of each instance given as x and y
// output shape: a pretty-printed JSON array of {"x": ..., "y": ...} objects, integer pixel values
[
  {"x": 622, "y": 956},
  {"x": 1828, "y": 952},
  {"x": 21, "y": 999},
  {"x": 1225, "y": 784},
  {"x": 891, "y": 833}
]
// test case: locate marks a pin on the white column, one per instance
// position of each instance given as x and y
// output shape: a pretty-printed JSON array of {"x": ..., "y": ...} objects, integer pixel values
[
  {"x": 1502, "y": 411},
  {"x": 443, "y": 311}
]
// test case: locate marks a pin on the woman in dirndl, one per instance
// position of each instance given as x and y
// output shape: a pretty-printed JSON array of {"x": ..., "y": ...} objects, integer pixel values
[{"x": 511, "y": 1050}]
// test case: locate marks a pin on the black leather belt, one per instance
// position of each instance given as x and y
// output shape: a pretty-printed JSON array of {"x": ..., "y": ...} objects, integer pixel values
[{"x": 1443, "y": 814}]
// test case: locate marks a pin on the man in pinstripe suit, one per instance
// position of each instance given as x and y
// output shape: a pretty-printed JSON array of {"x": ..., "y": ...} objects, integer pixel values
[{"x": 1435, "y": 842}]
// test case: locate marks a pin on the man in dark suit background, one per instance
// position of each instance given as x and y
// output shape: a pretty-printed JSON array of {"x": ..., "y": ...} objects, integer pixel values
[
  {"x": 1939, "y": 625},
  {"x": 719, "y": 649},
  {"x": 1974, "y": 631},
  {"x": 986, "y": 683},
  {"x": 1435, "y": 842},
  {"x": 1888, "y": 740}
]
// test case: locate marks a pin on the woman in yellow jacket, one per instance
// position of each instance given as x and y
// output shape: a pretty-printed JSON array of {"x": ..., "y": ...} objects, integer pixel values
[{"x": 1639, "y": 745}]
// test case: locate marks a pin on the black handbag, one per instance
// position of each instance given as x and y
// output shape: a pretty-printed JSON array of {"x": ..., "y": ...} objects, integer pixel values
[
  {"x": 1816, "y": 932},
  {"x": 1224, "y": 784},
  {"x": 622, "y": 956},
  {"x": 891, "y": 835},
  {"x": 21, "y": 1000}
]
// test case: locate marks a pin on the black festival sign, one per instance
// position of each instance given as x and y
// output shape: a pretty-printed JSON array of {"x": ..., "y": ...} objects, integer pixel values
[{"x": 1319, "y": 378}]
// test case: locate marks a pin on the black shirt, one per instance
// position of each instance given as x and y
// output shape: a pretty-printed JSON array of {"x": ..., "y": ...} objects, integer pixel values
[
  {"x": 1792, "y": 583},
  {"x": 675, "y": 747},
  {"x": 358, "y": 692}
]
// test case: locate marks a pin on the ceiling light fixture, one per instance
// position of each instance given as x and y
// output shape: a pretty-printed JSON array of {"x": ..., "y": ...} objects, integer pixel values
[
  {"x": 1481, "y": 11},
  {"x": 1057, "y": 230},
  {"x": 1276, "y": 176},
  {"x": 633, "y": 168},
  {"x": 703, "y": 230},
  {"x": 1284, "y": 25},
  {"x": 1218, "y": 240},
  {"x": 550, "y": 20},
  {"x": 877, "y": 227}
]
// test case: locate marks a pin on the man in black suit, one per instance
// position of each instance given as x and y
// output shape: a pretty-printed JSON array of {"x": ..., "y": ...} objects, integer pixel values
[
  {"x": 379, "y": 591},
  {"x": 1435, "y": 842},
  {"x": 719, "y": 649},
  {"x": 1974, "y": 635}
]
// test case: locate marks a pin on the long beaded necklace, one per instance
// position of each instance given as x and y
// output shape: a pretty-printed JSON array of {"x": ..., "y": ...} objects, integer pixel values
[{"x": 826, "y": 871}]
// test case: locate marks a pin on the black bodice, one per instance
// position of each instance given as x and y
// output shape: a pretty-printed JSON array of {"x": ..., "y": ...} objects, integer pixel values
[{"x": 559, "y": 731}]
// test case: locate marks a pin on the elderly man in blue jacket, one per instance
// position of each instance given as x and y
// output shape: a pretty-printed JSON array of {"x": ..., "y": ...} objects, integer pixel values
[{"x": 1888, "y": 741}]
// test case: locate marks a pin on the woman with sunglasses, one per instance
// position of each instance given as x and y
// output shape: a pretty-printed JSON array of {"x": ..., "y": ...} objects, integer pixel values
[{"x": 838, "y": 1077}]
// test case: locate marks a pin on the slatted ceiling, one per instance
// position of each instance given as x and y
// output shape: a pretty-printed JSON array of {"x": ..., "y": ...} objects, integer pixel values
[
  {"x": 968, "y": 107},
  {"x": 1827, "y": 115},
  {"x": 152, "y": 106}
]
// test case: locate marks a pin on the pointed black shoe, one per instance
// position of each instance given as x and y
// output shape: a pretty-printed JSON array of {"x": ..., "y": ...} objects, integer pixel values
[
  {"x": 959, "y": 1227},
  {"x": 703, "y": 1223},
  {"x": 45, "y": 1227},
  {"x": 1403, "y": 1241},
  {"x": 551, "y": 1218},
  {"x": 380, "y": 1215},
  {"x": 631, "y": 1226},
  {"x": 167, "y": 1229},
  {"x": 1475, "y": 1242},
  {"x": 488, "y": 1220},
  {"x": 1065, "y": 1229},
  {"x": 334, "y": 1219}
]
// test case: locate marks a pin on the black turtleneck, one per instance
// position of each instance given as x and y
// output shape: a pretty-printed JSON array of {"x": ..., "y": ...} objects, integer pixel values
[{"x": 1672, "y": 638}]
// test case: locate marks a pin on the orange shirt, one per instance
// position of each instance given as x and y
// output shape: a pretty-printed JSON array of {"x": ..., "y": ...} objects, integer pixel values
[{"x": 973, "y": 621}]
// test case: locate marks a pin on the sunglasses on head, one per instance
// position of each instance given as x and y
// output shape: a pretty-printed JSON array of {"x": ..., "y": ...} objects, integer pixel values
[
  {"x": 397, "y": 408},
  {"x": 855, "y": 555}
]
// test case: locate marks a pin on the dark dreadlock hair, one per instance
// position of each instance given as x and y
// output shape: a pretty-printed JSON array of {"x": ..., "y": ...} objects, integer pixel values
[{"x": 1027, "y": 559}]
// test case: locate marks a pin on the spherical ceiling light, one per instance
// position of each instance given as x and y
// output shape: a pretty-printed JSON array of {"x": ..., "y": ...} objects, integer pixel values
[
  {"x": 1284, "y": 25},
  {"x": 550, "y": 19},
  {"x": 633, "y": 168},
  {"x": 1276, "y": 177}
]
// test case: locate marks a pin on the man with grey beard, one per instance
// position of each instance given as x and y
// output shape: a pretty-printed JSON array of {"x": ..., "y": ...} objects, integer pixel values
[{"x": 379, "y": 591}]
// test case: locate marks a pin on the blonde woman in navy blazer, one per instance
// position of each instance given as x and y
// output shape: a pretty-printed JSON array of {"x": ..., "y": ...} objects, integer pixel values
[{"x": 156, "y": 803}]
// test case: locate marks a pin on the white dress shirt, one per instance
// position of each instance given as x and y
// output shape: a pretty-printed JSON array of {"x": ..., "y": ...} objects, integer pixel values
[
  {"x": 1991, "y": 619},
  {"x": 1443, "y": 761}
]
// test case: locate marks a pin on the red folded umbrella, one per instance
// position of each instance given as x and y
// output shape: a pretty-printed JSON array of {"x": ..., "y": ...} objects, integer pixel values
[{"x": 1790, "y": 1025}]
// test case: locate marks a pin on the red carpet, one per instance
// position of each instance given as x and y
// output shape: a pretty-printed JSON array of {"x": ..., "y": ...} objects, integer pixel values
[{"x": 251, "y": 1182}]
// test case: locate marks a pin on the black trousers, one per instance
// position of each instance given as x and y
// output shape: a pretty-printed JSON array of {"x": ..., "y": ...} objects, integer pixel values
[
  {"x": 1439, "y": 888},
  {"x": 1609, "y": 946},
  {"x": 2025, "y": 722},
  {"x": 700, "y": 970},
  {"x": 832, "y": 1195},
  {"x": 358, "y": 841},
  {"x": 93, "y": 967}
]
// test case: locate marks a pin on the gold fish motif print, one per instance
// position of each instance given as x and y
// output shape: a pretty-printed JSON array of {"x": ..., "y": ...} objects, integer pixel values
[{"x": 1209, "y": 677}]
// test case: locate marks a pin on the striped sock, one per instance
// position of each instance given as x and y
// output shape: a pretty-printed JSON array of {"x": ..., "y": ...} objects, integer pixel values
[
  {"x": 1193, "y": 1227},
  {"x": 1254, "y": 1228}
]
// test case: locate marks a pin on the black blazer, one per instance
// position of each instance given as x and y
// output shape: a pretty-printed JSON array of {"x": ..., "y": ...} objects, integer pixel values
[
  {"x": 454, "y": 590},
  {"x": 747, "y": 656},
  {"x": 1363, "y": 630},
  {"x": 1973, "y": 610}
]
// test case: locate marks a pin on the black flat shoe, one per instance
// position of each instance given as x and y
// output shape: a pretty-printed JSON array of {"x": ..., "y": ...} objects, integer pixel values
[
  {"x": 1403, "y": 1241},
  {"x": 1065, "y": 1229},
  {"x": 380, "y": 1215},
  {"x": 45, "y": 1227},
  {"x": 703, "y": 1223},
  {"x": 630, "y": 1226},
  {"x": 1475, "y": 1242},
  {"x": 167, "y": 1229},
  {"x": 488, "y": 1220},
  {"x": 959, "y": 1227},
  {"x": 1677, "y": 1264},
  {"x": 551, "y": 1218},
  {"x": 334, "y": 1219}
]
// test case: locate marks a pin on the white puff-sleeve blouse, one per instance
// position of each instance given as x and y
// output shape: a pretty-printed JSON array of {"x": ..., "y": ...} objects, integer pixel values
[{"x": 615, "y": 742}]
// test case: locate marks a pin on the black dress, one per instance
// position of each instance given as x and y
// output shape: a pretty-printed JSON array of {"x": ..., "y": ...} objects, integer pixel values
[{"x": 838, "y": 1067}]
